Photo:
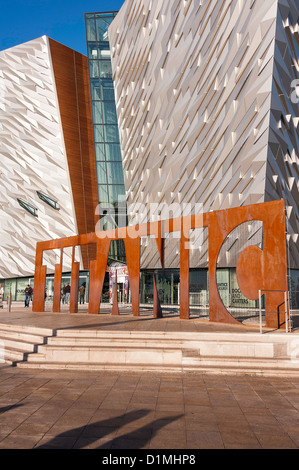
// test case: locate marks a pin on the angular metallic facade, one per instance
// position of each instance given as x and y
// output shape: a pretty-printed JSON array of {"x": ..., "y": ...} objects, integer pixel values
[
  {"x": 45, "y": 129},
  {"x": 206, "y": 109}
]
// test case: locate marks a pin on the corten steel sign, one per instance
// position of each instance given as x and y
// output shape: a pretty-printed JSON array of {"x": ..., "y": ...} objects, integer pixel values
[{"x": 257, "y": 269}]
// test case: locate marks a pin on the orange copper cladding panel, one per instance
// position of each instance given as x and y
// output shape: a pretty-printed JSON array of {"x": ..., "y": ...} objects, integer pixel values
[
  {"x": 57, "y": 288},
  {"x": 38, "y": 304},
  {"x": 97, "y": 275},
  {"x": 132, "y": 247},
  {"x": 72, "y": 84},
  {"x": 74, "y": 287},
  {"x": 266, "y": 269},
  {"x": 257, "y": 269}
]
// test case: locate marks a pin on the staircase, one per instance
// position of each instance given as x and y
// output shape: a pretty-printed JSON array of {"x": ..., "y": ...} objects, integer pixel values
[
  {"x": 90, "y": 349},
  {"x": 18, "y": 342}
]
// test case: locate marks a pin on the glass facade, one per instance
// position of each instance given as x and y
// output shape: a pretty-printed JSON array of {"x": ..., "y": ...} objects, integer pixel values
[{"x": 111, "y": 189}]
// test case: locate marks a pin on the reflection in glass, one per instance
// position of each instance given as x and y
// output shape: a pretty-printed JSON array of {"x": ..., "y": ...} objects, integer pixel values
[
  {"x": 105, "y": 69},
  {"x": 109, "y": 112},
  {"x": 114, "y": 192},
  {"x": 103, "y": 193},
  {"x": 29, "y": 208},
  {"x": 49, "y": 200},
  {"x": 90, "y": 30},
  {"x": 104, "y": 50},
  {"x": 107, "y": 89},
  {"x": 98, "y": 133},
  {"x": 102, "y": 25},
  {"x": 101, "y": 173},
  {"x": 115, "y": 173},
  {"x": 97, "y": 112},
  {"x": 95, "y": 89},
  {"x": 92, "y": 50},
  {"x": 93, "y": 68},
  {"x": 111, "y": 134},
  {"x": 113, "y": 152},
  {"x": 106, "y": 134},
  {"x": 100, "y": 152}
]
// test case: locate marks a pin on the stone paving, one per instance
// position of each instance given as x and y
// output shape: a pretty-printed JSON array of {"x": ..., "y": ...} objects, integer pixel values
[
  {"x": 66, "y": 409},
  {"x": 115, "y": 410}
]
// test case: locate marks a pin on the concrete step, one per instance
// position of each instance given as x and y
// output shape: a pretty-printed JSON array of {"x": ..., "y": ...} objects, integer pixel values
[
  {"x": 18, "y": 341},
  {"x": 203, "y": 347},
  {"x": 96, "y": 349},
  {"x": 140, "y": 356},
  {"x": 276, "y": 368},
  {"x": 237, "y": 361},
  {"x": 32, "y": 330},
  {"x": 17, "y": 344},
  {"x": 20, "y": 337},
  {"x": 176, "y": 335},
  {"x": 107, "y": 354},
  {"x": 147, "y": 358},
  {"x": 12, "y": 355}
]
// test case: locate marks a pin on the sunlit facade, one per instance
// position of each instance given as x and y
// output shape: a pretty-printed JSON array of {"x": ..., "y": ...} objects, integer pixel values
[
  {"x": 111, "y": 189},
  {"x": 206, "y": 117}
]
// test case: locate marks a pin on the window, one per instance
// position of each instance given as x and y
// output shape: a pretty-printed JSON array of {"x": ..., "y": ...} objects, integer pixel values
[
  {"x": 103, "y": 194},
  {"x": 91, "y": 29},
  {"x": 104, "y": 50},
  {"x": 113, "y": 152},
  {"x": 107, "y": 89},
  {"x": 109, "y": 112},
  {"x": 101, "y": 173},
  {"x": 93, "y": 68},
  {"x": 105, "y": 123},
  {"x": 115, "y": 173},
  {"x": 102, "y": 25},
  {"x": 111, "y": 133},
  {"x": 105, "y": 69},
  {"x": 28, "y": 207},
  {"x": 92, "y": 50},
  {"x": 95, "y": 89},
  {"x": 116, "y": 192},
  {"x": 97, "y": 112},
  {"x": 100, "y": 152},
  {"x": 98, "y": 133},
  {"x": 48, "y": 200}
]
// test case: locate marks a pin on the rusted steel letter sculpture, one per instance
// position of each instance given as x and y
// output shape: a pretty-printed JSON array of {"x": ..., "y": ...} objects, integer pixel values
[{"x": 257, "y": 269}]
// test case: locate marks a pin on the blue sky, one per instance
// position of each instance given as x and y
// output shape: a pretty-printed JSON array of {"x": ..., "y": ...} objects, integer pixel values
[{"x": 62, "y": 20}]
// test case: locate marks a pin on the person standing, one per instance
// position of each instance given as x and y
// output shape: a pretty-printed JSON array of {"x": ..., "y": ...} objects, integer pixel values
[
  {"x": 63, "y": 294},
  {"x": 82, "y": 293},
  {"x": 28, "y": 294},
  {"x": 67, "y": 293}
]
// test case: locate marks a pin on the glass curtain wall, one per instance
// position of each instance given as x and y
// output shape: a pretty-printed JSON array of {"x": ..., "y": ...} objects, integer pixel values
[{"x": 111, "y": 189}]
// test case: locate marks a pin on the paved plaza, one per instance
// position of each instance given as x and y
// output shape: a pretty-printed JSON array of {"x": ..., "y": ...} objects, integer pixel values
[
  {"x": 69, "y": 409},
  {"x": 114, "y": 410}
]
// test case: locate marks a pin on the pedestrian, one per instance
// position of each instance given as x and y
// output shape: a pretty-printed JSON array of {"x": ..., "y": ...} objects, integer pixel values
[
  {"x": 28, "y": 294},
  {"x": 67, "y": 293},
  {"x": 63, "y": 293},
  {"x": 82, "y": 293}
]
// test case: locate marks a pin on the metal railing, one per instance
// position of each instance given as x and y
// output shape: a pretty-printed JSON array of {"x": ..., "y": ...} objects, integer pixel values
[{"x": 288, "y": 323}]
